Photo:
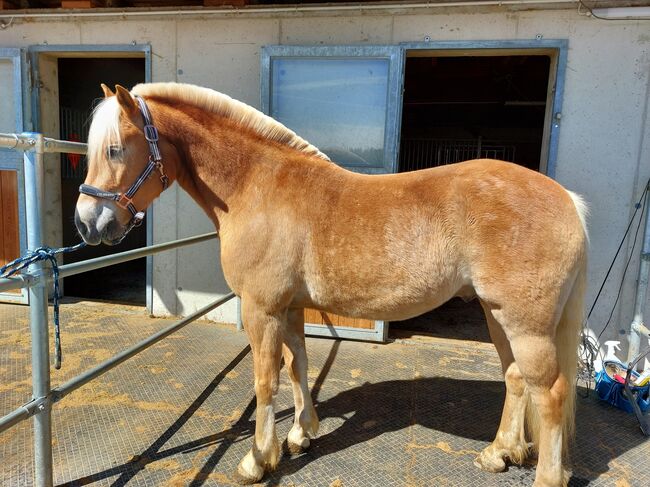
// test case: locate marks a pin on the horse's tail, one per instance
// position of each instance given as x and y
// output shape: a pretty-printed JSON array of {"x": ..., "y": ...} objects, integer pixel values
[
  {"x": 567, "y": 339},
  {"x": 583, "y": 212}
]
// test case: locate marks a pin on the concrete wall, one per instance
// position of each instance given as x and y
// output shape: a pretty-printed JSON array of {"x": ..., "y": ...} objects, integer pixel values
[{"x": 604, "y": 149}]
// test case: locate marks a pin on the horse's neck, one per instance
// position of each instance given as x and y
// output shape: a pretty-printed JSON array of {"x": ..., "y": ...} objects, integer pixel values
[{"x": 218, "y": 160}]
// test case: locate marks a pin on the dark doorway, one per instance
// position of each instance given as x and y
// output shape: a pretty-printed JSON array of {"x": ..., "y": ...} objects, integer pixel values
[
  {"x": 460, "y": 108},
  {"x": 79, "y": 92}
]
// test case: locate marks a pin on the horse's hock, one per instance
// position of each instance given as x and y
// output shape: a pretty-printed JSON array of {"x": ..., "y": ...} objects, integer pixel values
[{"x": 181, "y": 413}]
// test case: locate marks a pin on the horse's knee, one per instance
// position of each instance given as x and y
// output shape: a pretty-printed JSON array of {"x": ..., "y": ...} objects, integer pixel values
[
  {"x": 514, "y": 380},
  {"x": 266, "y": 388}
]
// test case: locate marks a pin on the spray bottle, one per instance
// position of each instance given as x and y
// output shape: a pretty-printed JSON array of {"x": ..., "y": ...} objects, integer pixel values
[{"x": 612, "y": 345}]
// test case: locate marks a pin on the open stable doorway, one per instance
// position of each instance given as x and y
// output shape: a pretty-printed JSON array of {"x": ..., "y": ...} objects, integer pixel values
[
  {"x": 79, "y": 91},
  {"x": 461, "y": 107}
]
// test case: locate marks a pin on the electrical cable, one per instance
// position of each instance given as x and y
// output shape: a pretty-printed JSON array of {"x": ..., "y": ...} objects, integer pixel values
[
  {"x": 590, "y": 345},
  {"x": 627, "y": 264},
  {"x": 591, "y": 13},
  {"x": 618, "y": 250}
]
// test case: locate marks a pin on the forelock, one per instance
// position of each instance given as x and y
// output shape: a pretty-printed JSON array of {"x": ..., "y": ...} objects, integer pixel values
[{"x": 104, "y": 127}]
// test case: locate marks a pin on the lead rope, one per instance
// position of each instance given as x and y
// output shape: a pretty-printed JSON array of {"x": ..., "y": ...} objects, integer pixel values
[{"x": 45, "y": 253}]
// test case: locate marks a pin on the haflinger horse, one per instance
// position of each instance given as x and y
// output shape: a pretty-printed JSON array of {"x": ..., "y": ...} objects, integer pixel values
[{"x": 297, "y": 231}]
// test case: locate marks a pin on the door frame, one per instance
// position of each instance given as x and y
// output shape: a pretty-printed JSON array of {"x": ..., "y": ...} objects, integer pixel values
[
  {"x": 556, "y": 49},
  {"x": 393, "y": 53},
  {"x": 9, "y": 163},
  {"x": 32, "y": 92}
]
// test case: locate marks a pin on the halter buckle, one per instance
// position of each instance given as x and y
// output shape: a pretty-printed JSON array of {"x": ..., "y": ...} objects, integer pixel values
[
  {"x": 151, "y": 133},
  {"x": 137, "y": 218},
  {"x": 124, "y": 201},
  {"x": 161, "y": 169}
]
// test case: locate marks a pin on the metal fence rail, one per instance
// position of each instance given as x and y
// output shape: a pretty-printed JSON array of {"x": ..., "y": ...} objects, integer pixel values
[{"x": 37, "y": 278}]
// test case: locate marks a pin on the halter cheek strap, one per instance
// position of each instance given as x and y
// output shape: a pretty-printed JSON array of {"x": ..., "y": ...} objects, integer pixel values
[{"x": 125, "y": 200}]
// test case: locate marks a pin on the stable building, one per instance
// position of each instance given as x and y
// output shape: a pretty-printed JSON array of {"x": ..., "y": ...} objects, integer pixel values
[{"x": 559, "y": 86}]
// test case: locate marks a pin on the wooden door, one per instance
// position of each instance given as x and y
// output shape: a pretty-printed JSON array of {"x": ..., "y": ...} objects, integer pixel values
[
  {"x": 316, "y": 317},
  {"x": 9, "y": 234}
]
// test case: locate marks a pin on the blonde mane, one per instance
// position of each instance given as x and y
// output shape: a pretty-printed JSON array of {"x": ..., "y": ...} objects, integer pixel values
[
  {"x": 221, "y": 104},
  {"x": 104, "y": 129}
]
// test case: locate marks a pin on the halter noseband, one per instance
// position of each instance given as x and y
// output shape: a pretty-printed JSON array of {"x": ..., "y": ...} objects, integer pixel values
[{"x": 125, "y": 200}]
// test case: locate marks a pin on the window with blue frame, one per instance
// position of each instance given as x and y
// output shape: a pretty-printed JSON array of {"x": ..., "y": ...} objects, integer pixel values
[
  {"x": 339, "y": 105},
  {"x": 342, "y": 100}
]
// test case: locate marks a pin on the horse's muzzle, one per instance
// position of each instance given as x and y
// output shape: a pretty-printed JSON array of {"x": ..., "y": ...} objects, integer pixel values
[{"x": 100, "y": 229}]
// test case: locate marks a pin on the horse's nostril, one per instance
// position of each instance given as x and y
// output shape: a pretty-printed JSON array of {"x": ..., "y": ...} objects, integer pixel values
[
  {"x": 81, "y": 226},
  {"x": 87, "y": 232}
]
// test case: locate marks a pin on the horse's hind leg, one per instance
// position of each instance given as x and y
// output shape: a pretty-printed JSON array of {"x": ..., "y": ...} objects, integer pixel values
[
  {"x": 549, "y": 389},
  {"x": 545, "y": 354},
  {"x": 295, "y": 357},
  {"x": 510, "y": 442},
  {"x": 265, "y": 334}
]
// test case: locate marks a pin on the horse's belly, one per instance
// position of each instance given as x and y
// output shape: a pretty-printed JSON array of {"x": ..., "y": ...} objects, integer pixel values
[{"x": 369, "y": 297}]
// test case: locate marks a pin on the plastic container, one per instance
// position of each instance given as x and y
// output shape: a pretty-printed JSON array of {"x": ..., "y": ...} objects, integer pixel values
[{"x": 612, "y": 391}]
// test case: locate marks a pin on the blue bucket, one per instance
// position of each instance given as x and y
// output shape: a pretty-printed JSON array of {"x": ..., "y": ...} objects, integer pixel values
[{"x": 612, "y": 391}]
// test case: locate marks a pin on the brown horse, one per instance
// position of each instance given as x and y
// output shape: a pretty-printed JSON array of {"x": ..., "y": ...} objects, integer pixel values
[{"x": 298, "y": 231}]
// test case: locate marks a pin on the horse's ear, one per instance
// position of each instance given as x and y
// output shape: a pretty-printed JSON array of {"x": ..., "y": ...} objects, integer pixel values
[
  {"x": 107, "y": 91},
  {"x": 126, "y": 101}
]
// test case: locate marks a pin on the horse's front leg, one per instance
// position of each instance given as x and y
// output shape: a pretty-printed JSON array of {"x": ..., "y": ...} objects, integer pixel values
[
  {"x": 265, "y": 334},
  {"x": 295, "y": 358}
]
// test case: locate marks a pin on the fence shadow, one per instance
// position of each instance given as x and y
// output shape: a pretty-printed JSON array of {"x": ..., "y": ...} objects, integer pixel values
[
  {"x": 466, "y": 408},
  {"x": 151, "y": 454}
]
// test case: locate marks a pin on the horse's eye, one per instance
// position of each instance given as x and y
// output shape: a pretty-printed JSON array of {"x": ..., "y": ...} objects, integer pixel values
[{"x": 115, "y": 152}]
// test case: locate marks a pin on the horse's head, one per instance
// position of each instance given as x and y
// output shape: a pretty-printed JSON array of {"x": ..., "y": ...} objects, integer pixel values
[{"x": 125, "y": 173}]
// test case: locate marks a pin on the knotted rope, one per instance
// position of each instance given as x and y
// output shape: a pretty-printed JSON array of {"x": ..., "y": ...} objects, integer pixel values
[{"x": 43, "y": 254}]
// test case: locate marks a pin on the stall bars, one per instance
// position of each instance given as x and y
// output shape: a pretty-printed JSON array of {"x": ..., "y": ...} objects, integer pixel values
[{"x": 37, "y": 279}]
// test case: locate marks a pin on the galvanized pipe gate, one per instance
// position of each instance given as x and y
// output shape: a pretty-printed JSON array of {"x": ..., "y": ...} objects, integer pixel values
[{"x": 37, "y": 278}]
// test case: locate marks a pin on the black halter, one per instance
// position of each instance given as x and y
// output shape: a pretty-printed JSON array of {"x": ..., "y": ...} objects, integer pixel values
[{"x": 125, "y": 200}]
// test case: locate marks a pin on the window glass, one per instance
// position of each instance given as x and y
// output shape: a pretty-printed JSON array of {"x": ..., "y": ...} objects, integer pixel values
[
  {"x": 7, "y": 100},
  {"x": 338, "y": 105}
]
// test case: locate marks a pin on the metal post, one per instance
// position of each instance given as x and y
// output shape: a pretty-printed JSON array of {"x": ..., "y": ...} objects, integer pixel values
[
  {"x": 38, "y": 317},
  {"x": 637, "y": 327}
]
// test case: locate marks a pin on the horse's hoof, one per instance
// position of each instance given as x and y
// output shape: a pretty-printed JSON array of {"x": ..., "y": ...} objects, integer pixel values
[
  {"x": 248, "y": 471},
  {"x": 563, "y": 481},
  {"x": 291, "y": 449},
  {"x": 490, "y": 463},
  {"x": 243, "y": 479}
]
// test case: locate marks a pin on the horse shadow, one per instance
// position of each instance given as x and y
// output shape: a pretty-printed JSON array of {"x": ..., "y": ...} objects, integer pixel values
[{"x": 469, "y": 409}]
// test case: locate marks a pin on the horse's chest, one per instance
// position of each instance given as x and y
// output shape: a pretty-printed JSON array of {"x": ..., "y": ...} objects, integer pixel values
[{"x": 255, "y": 264}]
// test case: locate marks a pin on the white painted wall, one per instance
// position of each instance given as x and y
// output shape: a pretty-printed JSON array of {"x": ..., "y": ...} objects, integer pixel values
[{"x": 604, "y": 150}]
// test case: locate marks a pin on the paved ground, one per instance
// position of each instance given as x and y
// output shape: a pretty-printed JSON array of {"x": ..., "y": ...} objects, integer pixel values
[{"x": 410, "y": 413}]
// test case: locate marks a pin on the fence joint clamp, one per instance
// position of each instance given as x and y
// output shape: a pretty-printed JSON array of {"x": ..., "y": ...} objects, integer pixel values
[{"x": 36, "y": 405}]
